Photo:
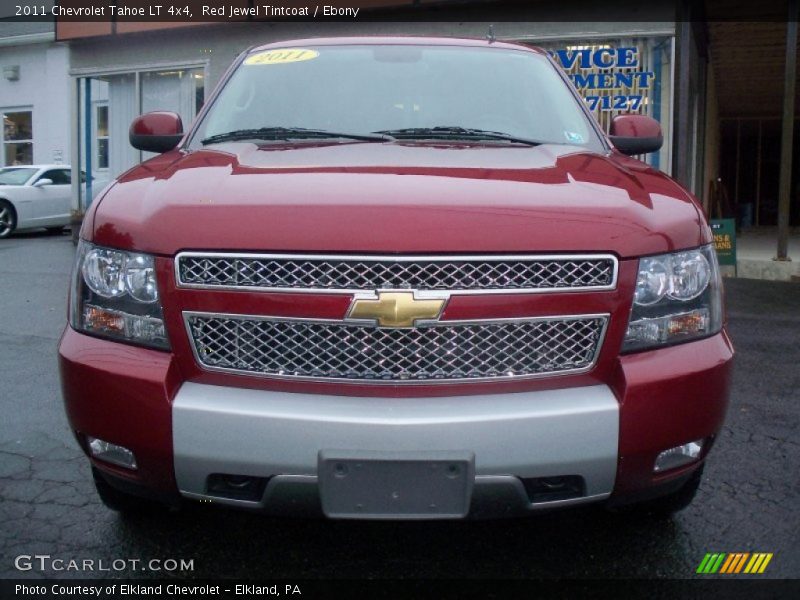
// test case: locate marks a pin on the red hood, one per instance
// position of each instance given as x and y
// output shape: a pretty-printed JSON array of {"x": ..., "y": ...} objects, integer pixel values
[{"x": 396, "y": 197}]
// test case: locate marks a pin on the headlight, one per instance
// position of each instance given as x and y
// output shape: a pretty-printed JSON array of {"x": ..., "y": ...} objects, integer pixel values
[
  {"x": 114, "y": 295},
  {"x": 678, "y": 297},
  {"x": 103, "y": 271}
]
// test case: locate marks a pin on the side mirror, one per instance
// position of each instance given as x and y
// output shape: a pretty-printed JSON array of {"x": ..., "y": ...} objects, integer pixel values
[
  {"x": 635, "y": 134},
  {"x": 43, "y": 182},
  {"x": 156, "y": 131}
]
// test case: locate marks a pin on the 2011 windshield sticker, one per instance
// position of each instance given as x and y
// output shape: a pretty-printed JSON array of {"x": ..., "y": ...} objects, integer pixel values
[{"x": 282, "y": 56}]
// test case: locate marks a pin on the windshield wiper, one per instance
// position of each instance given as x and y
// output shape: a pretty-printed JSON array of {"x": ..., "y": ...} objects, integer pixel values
[
  {"x": 460, "y": 133},
  {"x": 286, "y": 133}
]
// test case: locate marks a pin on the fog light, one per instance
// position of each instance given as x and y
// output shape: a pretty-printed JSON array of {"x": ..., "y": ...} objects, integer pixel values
[
  {"x": 111, "y": 453},
  {"x": 678, "y": 456}
]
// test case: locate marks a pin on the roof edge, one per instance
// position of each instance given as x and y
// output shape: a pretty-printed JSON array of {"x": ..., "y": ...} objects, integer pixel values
[{"x": 43, "y": 37}]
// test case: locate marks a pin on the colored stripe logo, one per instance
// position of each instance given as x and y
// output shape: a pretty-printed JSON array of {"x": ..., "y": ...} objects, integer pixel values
[{"x": 734, "y": 563}]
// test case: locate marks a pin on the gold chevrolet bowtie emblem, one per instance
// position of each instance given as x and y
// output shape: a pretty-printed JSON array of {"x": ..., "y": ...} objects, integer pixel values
[{"x": 395, "y": 309}]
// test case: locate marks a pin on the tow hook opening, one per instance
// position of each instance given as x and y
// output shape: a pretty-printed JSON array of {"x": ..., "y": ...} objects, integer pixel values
[
  {"x": 550, "y": 489},
  {"x": 236, "y": 487}
]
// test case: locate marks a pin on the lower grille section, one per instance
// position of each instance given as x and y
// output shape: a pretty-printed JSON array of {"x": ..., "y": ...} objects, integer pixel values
[{"x": 443, "y": 352}]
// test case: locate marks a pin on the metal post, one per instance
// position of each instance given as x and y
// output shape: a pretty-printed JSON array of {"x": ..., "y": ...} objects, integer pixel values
[
  {"x": 784, "y": 187},
  {"x": 738, "y": 168},
  {"x": 76, "y": 214},
  {"x": 682, "y": 134},
  {"x": 137, "y": 103},
  {"x": 87, "y": 136},
  {"x": 758, "y": 175},
  {"x": 655, "y": 106}
]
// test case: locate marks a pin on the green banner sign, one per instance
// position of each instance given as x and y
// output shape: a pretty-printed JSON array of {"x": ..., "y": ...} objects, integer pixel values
[{"x": 724, "y": 231}]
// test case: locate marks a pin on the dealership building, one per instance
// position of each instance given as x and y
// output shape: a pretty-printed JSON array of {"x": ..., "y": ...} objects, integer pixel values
[{"x": 717, "y": 87}]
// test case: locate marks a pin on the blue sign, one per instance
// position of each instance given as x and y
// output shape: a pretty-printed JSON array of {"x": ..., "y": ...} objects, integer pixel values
[{"x": 606, "y": 68}]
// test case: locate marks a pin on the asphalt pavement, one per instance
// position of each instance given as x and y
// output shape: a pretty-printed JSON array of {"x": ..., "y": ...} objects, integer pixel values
[{"x": 749, "y": 500}]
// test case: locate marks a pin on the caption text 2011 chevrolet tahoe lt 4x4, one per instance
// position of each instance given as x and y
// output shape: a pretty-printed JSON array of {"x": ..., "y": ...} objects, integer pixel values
[{"x": 395, "y": 278}]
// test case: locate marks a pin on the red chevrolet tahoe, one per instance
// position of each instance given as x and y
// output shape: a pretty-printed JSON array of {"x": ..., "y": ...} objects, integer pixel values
[{"x": 401, "y": 278}]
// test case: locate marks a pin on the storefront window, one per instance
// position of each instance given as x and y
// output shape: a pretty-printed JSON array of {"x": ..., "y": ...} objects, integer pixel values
[
  {"x": 179, "y": 90},
  {"x": 115, "y": 103},
  {"x": 101, "y": 112},
  {"x": 17, "y": 137},
  {"x": 632, "y": 75},
  {"x": 199, "y": 89}
]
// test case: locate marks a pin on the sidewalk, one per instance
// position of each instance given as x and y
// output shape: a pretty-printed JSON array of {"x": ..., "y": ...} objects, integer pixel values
[{"x": 756, "y": 248}]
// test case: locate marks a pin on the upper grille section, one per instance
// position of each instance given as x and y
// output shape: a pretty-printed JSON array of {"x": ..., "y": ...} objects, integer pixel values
[
  {"x": 443, "y": 352},
  {"x": 464, "y": 274}
]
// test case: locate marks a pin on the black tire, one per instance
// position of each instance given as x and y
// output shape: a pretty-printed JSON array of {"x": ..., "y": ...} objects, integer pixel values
[
  {"x": 666, "y": 506},
  {"x": 124, "y": 503},
  {"x": 8, "y": 219},
  {"x": 55, "y": 230}
]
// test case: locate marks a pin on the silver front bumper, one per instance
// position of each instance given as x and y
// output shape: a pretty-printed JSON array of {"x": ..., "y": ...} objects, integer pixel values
[{"x": 279, "y": 435}]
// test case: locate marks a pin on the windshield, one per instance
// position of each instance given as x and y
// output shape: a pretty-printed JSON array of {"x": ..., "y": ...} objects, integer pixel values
[
  {"x": 15, "y": 176},
  {"x": 404, "y": 90}
]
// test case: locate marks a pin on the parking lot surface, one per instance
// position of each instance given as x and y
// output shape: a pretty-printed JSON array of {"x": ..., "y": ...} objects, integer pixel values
[{"x": 748, "y": 502}]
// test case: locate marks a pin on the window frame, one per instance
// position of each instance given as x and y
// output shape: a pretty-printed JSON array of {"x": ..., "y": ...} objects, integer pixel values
[
  {"x": 4, "y": 141},
  {"x": 97, "y": 137},
  {"x": 77, "y": 79}
]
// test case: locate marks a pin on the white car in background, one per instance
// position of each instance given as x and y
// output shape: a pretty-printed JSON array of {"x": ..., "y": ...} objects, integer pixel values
[{"x": 34, "y": 196}]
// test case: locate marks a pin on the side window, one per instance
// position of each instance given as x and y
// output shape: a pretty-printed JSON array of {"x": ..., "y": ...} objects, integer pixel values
[
  {"x": 59, "y": 176},
  {"x": 16, "y": 133}
]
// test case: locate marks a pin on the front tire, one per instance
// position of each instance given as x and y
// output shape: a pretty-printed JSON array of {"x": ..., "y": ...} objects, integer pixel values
[
  {"x": 8, "y": 219},
  {"x": 122, "y": 502},
  {"x": 668, "y": 505}
]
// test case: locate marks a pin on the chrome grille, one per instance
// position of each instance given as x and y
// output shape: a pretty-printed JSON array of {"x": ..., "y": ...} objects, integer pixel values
[
  {"x": 445, "y": 351},
  {"x": 501, "y": 274}
]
